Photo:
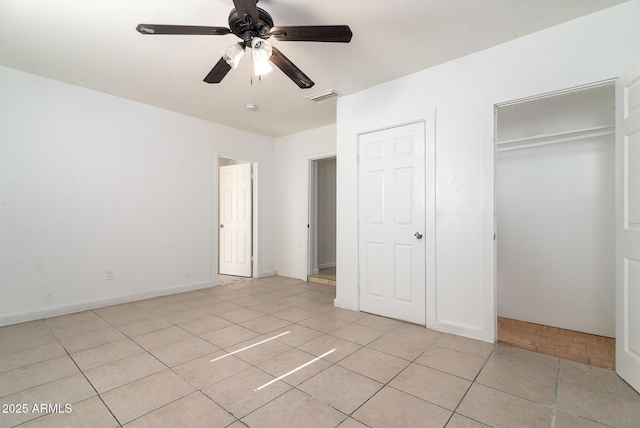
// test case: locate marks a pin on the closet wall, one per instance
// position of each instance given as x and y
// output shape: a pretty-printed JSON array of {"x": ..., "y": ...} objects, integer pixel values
[
  {"x": 555, "y": 211},
  {"x": 326, "y": 241}
]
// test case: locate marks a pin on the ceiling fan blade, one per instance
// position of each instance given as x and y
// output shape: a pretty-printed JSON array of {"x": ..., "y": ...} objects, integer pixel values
[
  {"x": 313, "y": 33},
  {"x": 182, "y": 29},
  {"x": 247, "y": 8},
  {"x": 289, "y": 68},
  {"x": 218, "y": 72}
]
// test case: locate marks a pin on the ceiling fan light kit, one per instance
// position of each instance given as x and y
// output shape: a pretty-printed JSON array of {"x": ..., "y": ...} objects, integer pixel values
[
  {"x": 233, "y": 53},
  {"x": 254, "y": 26},
  {"x": 261, "y": 51}
]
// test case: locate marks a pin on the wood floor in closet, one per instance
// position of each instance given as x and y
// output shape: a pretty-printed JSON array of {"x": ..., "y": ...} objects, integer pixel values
[{"x": 586, "y": 348}]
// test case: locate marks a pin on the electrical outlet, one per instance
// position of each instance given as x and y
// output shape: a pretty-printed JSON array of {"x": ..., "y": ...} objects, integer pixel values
[{"x": 109, "y": 274}]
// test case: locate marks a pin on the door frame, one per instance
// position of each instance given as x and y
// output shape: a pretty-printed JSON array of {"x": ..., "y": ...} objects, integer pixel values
[
  {"x": 255, "y": 212},
  {"x": 429, "y": 123},
  {"x": 489, "y": 214},
  {"x": 610, "y": 84},
  {"x": 312, "y": 216}
]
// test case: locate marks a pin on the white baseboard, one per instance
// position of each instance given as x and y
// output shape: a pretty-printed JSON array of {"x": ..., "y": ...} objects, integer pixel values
[
  {"x": 327, "y": 265},
  {"x": 266, "y": 274},
  {"x": 462, "y": 330},
  {"x": 95, "y": 304},
  {"x": 344, "y": 304}
]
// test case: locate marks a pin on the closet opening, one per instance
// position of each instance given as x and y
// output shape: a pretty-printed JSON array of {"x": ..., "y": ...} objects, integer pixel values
[
  {"x": 555, "y": 222},
  {"x": 321, "y": 264}
]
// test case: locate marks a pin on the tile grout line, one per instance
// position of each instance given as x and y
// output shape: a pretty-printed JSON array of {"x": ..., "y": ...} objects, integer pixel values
[
  {"x": 555, "y": 397},
  {"x": 397, "y": 374},
  {"x": 297, "y": 387},
  {"x": 473, "y": 382},
  {"x": 147, "y": 351},
  {"x": 83, "y": 373},
  {"x": 292, "y": 387},
  {"x": 332, "y": 364},
  {"x": 173, "y": 371}
]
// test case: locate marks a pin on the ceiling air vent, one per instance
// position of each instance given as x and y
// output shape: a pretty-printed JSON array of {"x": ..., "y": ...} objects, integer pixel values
[{"x": 321, "y": 96}]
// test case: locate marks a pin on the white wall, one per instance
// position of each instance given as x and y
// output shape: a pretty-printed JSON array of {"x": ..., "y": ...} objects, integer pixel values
[
  {"x": 593, "y": 48},
  {"x": 293, "y": 153},
  {"x": 556, "y": 236},
  {"x": 326, "y": 213},
  {"x": 89, "y": 181},
  {"x": 556, "y": 213}
]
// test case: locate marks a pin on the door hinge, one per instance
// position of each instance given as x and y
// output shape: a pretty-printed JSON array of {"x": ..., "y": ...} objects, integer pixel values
[{"x": 494, "y": 236}]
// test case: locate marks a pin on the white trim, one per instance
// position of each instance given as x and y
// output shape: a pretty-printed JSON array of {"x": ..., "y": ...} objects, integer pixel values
[
  {"x": 312, "y": 210},
  {"x": 96, "y": 304},
  {"x": 346, "y": 304},
  {"x": 563, "y": 91},
  {"x": 327, "y": 265},
  {"x": 430, "y": 224},
  {"x": 255, "y": 211},
  {"x": 560, "y": 137},
  {"x": 214, "y": 214},
  {"x": 429, "y": 123},
  {"x": 489, "y": 305},
  {"x": 255, "y": 216},
  {"x": 312, "y": 214},
  {"x": 266, "y": 274},
  {"x": 489, "y": 330}
]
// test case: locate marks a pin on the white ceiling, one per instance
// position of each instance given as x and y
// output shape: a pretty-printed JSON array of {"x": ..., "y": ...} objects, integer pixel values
[{"x": 93, "y": 44}]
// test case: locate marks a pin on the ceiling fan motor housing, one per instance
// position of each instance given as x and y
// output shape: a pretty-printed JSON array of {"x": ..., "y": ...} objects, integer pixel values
[{"x": 247, "y": 30}]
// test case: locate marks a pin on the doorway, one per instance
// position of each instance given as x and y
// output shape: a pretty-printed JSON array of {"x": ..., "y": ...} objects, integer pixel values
[
  {"x": 322, "y": 221},
  {"x": 235, "y": 215},
  {"x": 555, "y": 222}
]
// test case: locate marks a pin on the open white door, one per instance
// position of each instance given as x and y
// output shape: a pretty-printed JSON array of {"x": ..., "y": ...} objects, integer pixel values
[
  {"x": 391, "y": 217},
  {"x": 235, "y": 220},
  {"x": 628, "y": 227}
]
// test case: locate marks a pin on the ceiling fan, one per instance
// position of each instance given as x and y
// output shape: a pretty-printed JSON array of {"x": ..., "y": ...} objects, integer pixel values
[{"x": 254, "y": 26}]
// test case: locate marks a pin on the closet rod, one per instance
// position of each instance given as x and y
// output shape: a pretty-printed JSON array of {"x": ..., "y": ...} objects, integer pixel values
[{"x": 561, "y": 137}]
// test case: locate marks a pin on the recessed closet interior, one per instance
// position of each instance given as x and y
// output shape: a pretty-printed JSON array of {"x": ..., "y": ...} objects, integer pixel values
[
  {"x": 326, "y": 213},
  {"x": 555, "y": 210},
  {"x": 322, "y": 218}
]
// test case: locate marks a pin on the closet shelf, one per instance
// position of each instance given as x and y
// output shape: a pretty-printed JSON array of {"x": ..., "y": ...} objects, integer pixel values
[{"x": 561, "y": 137}]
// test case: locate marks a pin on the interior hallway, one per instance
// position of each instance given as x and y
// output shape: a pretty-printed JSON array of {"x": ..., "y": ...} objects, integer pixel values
[{"x": 168, "y": 361}]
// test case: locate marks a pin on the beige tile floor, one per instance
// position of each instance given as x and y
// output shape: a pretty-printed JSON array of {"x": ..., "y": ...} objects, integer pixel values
[
  {"x": 246, "y": 354},
  {"x": 324, "y": 276}
]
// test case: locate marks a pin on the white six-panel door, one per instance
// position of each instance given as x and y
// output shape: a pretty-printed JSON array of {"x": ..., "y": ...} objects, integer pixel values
[
  {"x": 391, "y": 218},
  {"x": 628, "y": 227},
  {"x": 235, "y": 220}
]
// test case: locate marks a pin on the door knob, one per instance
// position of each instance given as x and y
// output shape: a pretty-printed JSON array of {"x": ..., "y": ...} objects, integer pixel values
[
  {"x": 418, "y": 235},
  {"x": 221, "y": 226}
]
